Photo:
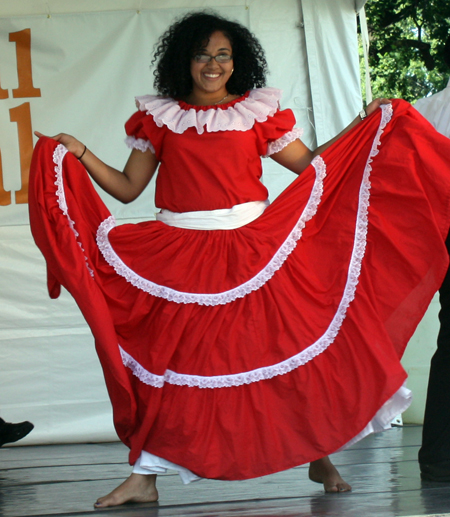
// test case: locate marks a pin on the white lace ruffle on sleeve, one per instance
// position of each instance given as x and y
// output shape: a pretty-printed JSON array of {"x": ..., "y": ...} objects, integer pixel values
[
  {"x": 139, "y": 143},
  {"x": 241, "y": 116},
  {"x": 278, "y": 145}
]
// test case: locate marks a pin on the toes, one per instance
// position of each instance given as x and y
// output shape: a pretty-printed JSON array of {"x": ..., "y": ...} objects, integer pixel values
[
  {"x": 337, "y": 488},
  {"x": 100, "y": 503},
  {"x": 108, "y": 500},
  {"x": 343, "y": 487}
]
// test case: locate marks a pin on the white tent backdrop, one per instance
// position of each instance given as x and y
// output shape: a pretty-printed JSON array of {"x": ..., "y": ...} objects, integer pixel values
[{"x": 78, "y": 72}]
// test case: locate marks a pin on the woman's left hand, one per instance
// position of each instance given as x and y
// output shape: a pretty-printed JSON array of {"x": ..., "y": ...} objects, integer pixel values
[{"x": 375, "y": 104}]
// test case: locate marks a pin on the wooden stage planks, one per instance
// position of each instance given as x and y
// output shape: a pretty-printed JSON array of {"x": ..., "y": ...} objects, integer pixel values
[{"x": 65, "y": 480}]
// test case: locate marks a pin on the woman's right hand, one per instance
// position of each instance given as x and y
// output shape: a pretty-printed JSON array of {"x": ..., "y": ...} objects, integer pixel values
[{"x": 71, "y": 143}]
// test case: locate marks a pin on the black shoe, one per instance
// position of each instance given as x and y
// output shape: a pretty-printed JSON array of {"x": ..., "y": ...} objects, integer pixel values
[
  {"x": 12, "y": 432},
  {"x": 435, "y": 471}
]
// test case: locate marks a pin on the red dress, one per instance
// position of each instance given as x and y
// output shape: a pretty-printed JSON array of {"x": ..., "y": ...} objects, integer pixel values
[{"x": 238, "y": 353}]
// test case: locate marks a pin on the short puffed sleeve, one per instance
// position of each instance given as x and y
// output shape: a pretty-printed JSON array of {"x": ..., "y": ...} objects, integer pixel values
[
  {"x": 275, "y": 133},
  {"x": 142, "y": 132}
]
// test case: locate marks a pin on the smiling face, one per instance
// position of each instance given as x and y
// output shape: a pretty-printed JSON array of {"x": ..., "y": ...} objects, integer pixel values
[{"x": 209, "y": 79}]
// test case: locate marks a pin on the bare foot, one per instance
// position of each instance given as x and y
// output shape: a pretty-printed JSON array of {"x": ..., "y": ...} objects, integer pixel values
[
  {"x": 137, "y": 488},
  {"x": 323, "y": 471}
]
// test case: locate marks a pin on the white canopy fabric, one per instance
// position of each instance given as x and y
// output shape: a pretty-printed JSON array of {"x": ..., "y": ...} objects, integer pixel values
[
  {"x": 436, "y": 109},
  {"x": 84, "y": 64},
  {"x": 359, "y": 4},
  {"x": 49, "y": 7}
]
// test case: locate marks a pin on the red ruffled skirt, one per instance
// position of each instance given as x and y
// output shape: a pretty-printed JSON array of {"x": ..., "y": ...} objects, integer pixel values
[{"x": 239, "y": 353}]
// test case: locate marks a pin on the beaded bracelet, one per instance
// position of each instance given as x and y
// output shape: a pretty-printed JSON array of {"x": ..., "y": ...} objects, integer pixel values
[{"x": 82, "y": 154}]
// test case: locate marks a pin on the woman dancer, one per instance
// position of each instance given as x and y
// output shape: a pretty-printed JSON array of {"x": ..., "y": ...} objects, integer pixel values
[{"x": 239, "y": 339}]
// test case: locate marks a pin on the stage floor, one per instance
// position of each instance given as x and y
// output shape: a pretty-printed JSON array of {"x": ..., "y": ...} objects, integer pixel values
[{"x": 65, "y": 480}]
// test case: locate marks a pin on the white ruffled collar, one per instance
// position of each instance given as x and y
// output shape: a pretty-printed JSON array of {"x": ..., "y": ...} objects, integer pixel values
[{"x": 241, "y": 115}]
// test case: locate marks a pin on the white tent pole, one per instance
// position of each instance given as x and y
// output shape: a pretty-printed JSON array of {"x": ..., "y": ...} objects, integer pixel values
[{"x": 365, "y": 43}]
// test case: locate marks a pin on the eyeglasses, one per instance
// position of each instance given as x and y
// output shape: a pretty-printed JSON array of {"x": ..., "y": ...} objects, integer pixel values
[{"x": 205, "y": 58}]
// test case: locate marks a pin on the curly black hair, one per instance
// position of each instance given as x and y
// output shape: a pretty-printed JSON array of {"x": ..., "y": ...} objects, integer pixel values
[{"x": 185, "y": 37}]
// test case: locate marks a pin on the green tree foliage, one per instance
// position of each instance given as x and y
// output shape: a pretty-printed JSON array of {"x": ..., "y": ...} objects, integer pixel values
[{"x": 409, "y": 47}]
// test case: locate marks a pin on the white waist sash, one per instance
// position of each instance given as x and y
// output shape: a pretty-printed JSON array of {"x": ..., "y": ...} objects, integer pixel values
[{"x": 222, "y": 219}]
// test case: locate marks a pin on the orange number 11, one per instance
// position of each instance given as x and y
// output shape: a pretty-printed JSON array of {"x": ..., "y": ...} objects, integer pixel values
[{"x": 21, "y": 115}]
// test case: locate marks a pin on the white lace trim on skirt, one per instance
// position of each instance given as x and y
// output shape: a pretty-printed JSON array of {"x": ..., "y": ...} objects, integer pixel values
[
  {"x": 58, "y": 157},
  {"x": 223, "y": 219}
]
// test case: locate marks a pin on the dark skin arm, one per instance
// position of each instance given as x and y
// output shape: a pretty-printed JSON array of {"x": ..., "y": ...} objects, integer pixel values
[
  {"x": 296, "y": 156},
  {"x": 124, "y": 186}
]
